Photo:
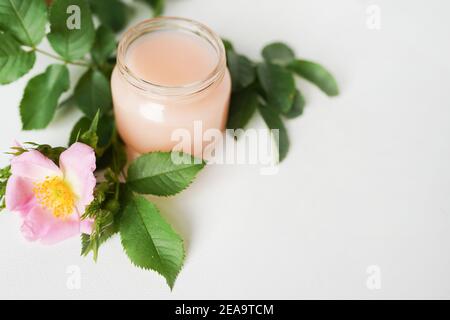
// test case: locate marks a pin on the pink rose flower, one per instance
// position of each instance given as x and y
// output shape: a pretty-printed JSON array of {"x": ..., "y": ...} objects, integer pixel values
[{"x": 52, "y": 199}]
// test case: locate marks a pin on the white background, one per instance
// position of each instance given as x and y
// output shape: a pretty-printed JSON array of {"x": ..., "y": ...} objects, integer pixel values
[{"x": 367, "y": 180}]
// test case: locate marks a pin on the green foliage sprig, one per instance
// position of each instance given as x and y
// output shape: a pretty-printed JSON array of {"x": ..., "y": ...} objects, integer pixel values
[
  {"x": 23, "y": 27},
  {"x": 119, "y": 205},
  {"x": 269, "y": 87},
  {"x": 5, "y": 173}
]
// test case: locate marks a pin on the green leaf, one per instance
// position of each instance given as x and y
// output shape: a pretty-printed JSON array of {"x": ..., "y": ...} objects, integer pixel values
[
  {"x": 108, "y": 67},
  {"x": 93, "y": 93},
  {"x": 72, "y": 34},
  {"x": 105, "y": 210},
  {"x": 316, "y": 74},
  {"x": 86, "y": 244},
  {"x": 156, "y": 173},
  {"x": 67, "y": 103},
  {"x": 90, "y": 137},
  {"x": 297, "y": 106},
  {"x": 241, "y": 69},
  {"x": 274, "y": 122},
  {"x": 114, "y": 157},
  {"x": 228, "y": 45},
  {"x": 149, "y": 241},
  {"x": 41, "y": 97},
  {"x": 157, "y": 6},
  {"x": 104, "y": 131},
  {"x": 242, "y": 107},
  {"x": 112, "y": 13},
  {"x": 278, "y": 84},
  {"x": 119, "y": 155},
  {"x": 92, "y": 242},
  {"x": 78, "y": 129},
  {"x": 14, "y": 62},
  {"x": 104, "y": 45},
  {"x": 24, "y": 19},
  {"x": 53, "y": 153},
  {"x": 5, "y": 173},
  {"x": 278, "y": 53}
]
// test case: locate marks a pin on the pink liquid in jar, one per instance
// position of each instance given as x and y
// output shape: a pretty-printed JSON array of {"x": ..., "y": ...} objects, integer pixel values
[{"x": 171, "y": 74}]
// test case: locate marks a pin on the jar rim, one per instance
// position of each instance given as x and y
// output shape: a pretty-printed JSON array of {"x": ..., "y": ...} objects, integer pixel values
[{"x": 171, "y": 23}]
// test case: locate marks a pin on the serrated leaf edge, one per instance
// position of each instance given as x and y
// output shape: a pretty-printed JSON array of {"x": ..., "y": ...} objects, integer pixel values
[
  {"x": 203, "y": 164},
  {"x": 171, "y": 285}
]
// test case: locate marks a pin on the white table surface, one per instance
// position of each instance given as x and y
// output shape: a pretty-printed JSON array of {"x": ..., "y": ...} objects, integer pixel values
[{"x": 366, "y": 183}]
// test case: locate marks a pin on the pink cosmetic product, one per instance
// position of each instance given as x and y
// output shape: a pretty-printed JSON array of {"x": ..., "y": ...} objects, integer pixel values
[{"x": 171, "y": 74}]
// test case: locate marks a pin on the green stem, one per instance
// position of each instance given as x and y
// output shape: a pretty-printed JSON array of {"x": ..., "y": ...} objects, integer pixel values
[
  {"x": 116, "y": 195},
  {"x": 75, "y": 63}
]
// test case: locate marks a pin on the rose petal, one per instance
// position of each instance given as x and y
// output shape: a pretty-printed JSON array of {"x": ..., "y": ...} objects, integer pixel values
[
  {"x": 78, "y": 164},
  {"x": 35, "y": 224},
  {"x": 34, "y": 165},
  {"x": 19, "y": 195},
  {"x": 41, "y": 225},
  {"x": 86, "y": 226}
]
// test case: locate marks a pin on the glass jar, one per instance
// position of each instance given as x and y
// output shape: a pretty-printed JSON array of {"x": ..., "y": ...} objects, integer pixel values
[{"x": 147, "y": 114}]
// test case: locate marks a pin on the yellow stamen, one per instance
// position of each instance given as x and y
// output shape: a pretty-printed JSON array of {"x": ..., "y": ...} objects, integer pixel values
[{"x": 55, "y": 194}]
